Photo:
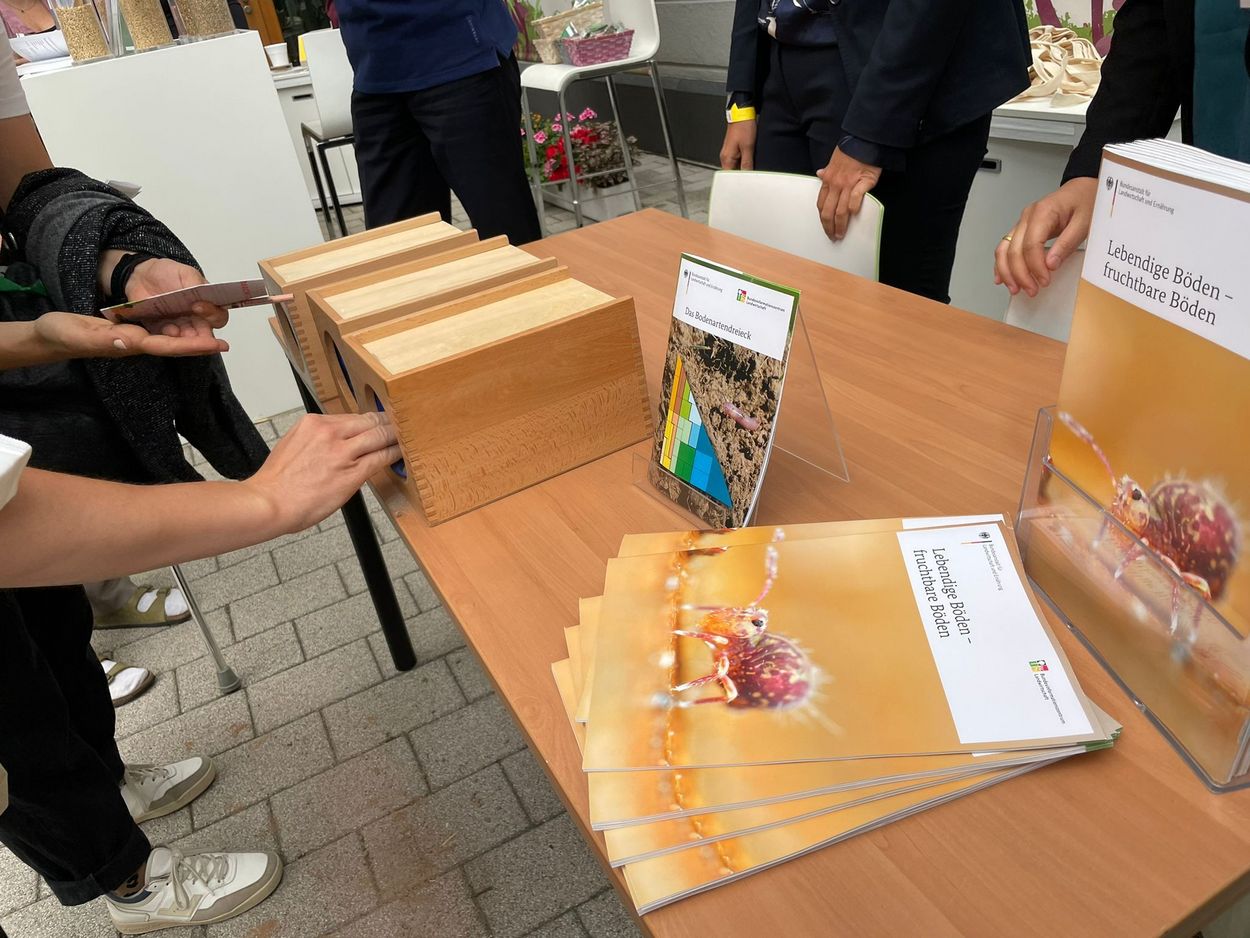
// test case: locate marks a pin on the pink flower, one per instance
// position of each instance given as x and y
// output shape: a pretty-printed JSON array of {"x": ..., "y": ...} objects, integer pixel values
[
  {"x": 568, "y": 117},
  {"x": 587, "y": 115},
  {"x": 540, "y": 137},
  {"x": 557, "y": 127}
]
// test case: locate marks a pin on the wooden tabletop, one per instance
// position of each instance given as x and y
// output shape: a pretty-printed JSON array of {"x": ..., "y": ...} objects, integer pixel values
[{"x": 935, "y": 407}]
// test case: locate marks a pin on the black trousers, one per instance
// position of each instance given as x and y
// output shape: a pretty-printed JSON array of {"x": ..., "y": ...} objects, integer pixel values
[
  {"x": 66, "y": 817},
  {"x": 413, "y": 149},
  {"x": 804, "y": 99}
]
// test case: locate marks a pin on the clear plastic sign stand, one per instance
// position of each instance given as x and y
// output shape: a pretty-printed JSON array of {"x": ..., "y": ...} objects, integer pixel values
[
  {"x": 806, "y": 462},
  {"x": 1180, "y": 660}
]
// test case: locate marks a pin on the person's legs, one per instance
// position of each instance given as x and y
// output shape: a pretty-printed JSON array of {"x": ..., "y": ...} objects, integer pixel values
[
  {"x": 120, "y": 603},
  {"x": 473, "y": 126},
  {"x": 59, "y": 624},
  {"x": 66, "y": 816},
  {"x": 398, "y": 177},
  {"x": 924, "y": 206},
  {"x": 108, "y": 595},
  {"x": 781, "y": 136}
]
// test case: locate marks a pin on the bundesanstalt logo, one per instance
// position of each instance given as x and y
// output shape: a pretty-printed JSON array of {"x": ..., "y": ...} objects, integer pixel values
[{"x": 1110, "y": 182}]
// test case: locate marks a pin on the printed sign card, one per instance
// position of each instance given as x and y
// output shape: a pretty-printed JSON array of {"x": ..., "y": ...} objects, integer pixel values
[
  {"x": 724, "y": 372},
  {"x": 1157, "y": 375}
]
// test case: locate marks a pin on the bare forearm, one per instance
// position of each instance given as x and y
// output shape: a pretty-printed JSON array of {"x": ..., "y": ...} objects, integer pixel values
[
  {"x": 21, "y": 345},
  {"x": 61, "y": 529},
  {"x": 75, "y": 530}
]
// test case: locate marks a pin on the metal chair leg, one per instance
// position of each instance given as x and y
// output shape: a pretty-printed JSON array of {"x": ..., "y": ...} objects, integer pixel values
[
  {"x": 227, "y": 681},
  {"x": 568, "y": 154},
  {"x": 316, "y": 175},
  {"x": 620, "y": 132},
  {"x": 334, "y": 195},
  {"x": 535, "y": 170},
  {"x": 668, "y": 140}
]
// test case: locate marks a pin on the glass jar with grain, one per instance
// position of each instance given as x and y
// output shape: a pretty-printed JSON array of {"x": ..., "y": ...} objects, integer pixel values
[
  {"x": 80, "y": 24},
  {"x": 200, "y": 19},
  {"x": 146, "y": 22}
]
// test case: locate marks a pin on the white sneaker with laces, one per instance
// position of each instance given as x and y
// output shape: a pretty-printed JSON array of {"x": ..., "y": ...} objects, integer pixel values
[
  {"x": 152, "y": 791},
  {"x": 197, "y": 889}
]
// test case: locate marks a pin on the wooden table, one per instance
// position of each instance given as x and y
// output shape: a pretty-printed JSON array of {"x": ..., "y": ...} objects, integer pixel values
[{"x": 935, "y": 407}]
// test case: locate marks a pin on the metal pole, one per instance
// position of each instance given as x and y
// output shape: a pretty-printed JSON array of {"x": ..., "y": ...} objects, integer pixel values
[
  {"x": 535, "y": 171},
  {"x": 620, "y": 132},
  {"x": 227, "y": 681},
  {"x": 668, "y": 140}
]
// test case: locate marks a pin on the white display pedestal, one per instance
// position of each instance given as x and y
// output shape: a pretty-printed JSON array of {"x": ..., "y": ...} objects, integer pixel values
[
  {"x": 199, "y": 127},
  {"x": 1028, "y": 149}
]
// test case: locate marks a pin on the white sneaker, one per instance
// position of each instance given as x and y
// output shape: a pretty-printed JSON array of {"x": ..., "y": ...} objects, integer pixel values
[
  {"x": 195, "y": 890},
  {"x": 152, "y": 791}
]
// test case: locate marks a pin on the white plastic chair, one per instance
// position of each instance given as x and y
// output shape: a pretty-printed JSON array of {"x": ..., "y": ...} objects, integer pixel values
[
  {"x": 331, "y": 75},
  {"x": 779, "y": 209},
  {"x": 1050, "y": 312},
  {"x": 640, "y": 16}
]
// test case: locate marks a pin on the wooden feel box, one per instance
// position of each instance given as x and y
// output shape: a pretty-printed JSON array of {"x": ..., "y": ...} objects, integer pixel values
[
  {"x": 377, "y": 297},
  {"x": 500, "y": 390},
  {"x": 323, "y": 264}
]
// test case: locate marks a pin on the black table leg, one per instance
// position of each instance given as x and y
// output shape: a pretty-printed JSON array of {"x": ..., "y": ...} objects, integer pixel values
[
  {"x": 372, "y": 564},
  {"x": 321, "y": 192},
  {"x": 330, "y": 187}
]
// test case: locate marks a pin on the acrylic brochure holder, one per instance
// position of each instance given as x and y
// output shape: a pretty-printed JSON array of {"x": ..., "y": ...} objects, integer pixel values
[
  {"x": 806, "y": 462},
  {"x": 1173, "y": 652}
]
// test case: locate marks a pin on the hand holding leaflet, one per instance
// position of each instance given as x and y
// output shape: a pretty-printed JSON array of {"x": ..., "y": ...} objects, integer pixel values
[{"x": 178, "y": 303}]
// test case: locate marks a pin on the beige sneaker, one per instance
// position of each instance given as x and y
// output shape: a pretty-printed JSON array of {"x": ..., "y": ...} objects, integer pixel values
[
  {"x": 198, "y": 889},
  {"x": 152, "y": 791}
]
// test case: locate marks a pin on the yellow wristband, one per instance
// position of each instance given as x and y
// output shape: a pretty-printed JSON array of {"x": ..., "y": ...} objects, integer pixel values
[{"x": 737, "y": 114}]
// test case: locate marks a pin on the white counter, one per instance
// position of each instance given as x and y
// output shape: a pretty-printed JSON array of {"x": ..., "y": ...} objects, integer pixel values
[
  {"x": 1028, "y": 149},
  {"x": 200, "y": 128}
]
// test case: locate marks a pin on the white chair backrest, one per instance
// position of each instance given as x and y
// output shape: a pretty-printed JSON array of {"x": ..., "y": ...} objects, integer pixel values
[
  {"x": 1050, "y": 312},
  {"x": 779, "y": 209},
  {"x": 331, "y": 75},
  {"x": 640, "y": 16}
]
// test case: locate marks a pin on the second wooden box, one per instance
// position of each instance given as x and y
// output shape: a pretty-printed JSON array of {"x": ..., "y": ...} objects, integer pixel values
[{"x": 500, "y": 390}]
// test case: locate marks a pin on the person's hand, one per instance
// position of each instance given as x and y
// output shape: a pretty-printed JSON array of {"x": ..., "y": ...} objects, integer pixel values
[
  {"x": 844, "y": 183},
  {"x": 68, "y": 335},
  {"x": 320, "y": 463},
  {"x": 738, "y": 150},
  {"x": 162, "y": 275},
  {"x": 1021, "y": 261}
]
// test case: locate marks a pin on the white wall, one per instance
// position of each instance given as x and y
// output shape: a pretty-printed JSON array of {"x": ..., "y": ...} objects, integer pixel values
[{"x": 199, "y": 127}]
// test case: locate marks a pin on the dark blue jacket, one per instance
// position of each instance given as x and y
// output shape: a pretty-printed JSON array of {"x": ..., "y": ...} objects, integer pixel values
[
  {"x": 916, "y": 68},
  {"x": 409, "y": 45}
]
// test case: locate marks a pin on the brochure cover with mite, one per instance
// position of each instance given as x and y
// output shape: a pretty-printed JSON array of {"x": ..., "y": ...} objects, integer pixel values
[
  {"x": 1156, "y": 383},
  {"x": 890, "y": 643},
  {"x": 635, "y": 799},
  {"x": 636, "y": 544}
]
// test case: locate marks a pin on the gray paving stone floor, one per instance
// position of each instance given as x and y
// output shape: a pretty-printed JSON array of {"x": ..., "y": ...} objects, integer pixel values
[{"x": 403, "y": 804}]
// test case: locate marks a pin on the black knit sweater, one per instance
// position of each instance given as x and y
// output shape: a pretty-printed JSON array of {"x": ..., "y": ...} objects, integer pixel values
[{"x": 109, "y": 418}]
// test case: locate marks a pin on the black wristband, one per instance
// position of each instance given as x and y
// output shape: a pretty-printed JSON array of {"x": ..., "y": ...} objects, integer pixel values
[{"x": 121, "y": 274}]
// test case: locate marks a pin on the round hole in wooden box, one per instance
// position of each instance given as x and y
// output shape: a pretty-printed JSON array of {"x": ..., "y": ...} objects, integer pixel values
[
  {"x": 339, "y": 368},
  {"x": 398, "y": 466}
]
